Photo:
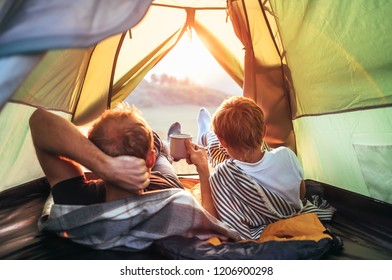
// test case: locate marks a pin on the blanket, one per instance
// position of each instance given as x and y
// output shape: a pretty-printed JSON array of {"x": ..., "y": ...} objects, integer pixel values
[
  {"x": 299, "y": 237},
  {"x": 134, "y": 223}
]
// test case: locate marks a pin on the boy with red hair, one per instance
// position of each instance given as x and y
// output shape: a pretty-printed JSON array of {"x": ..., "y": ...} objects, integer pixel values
[{"x": 251, "y": 186}]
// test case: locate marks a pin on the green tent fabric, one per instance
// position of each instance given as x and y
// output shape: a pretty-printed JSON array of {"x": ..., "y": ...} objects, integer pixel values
[{"x": 320, "y": 70}]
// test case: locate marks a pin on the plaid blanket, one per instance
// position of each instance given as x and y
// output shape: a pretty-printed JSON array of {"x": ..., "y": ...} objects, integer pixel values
[{"x": 134, "y": 223}]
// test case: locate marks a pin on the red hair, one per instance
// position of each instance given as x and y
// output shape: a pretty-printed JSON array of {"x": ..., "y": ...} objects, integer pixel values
[
  {"x": 122, "y": 132},
  {"x": 239, "y": 121}
]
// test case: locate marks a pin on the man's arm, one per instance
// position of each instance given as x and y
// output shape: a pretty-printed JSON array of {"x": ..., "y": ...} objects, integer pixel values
[
  {"x": 198, "y": 157},
  {"x": 61, "y": 147}
]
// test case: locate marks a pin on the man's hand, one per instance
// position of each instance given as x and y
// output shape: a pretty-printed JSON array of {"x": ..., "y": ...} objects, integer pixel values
[{"x": 126, "y": 172}]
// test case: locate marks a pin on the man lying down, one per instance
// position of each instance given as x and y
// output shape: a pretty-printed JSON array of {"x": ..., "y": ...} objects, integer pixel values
[{"x": 139, "y": 198}]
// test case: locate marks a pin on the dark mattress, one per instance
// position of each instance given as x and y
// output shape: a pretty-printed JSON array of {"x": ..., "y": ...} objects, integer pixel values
[{"x": 364, "y": 225}]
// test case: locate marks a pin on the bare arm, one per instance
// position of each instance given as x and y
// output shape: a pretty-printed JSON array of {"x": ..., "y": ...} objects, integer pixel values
[
  {"x": 198, "y": 157},
  {"x": 61, "y": 147}
]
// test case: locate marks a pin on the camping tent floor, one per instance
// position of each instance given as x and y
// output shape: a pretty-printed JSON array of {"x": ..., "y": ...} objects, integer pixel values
[{"x": 364, "y": 225}]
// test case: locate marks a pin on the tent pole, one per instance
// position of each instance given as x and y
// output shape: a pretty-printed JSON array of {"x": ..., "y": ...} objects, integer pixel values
[
  {"x": 281, "y": 55},
  {"x": 110, "y": 90},
  {"x": 269, "y": 28}
]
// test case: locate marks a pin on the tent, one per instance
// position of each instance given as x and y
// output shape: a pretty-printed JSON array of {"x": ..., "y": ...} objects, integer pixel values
[{"x": 320, "y": 70}]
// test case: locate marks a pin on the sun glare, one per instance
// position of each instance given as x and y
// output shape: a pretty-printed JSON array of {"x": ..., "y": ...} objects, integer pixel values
[{"x": 190, "y": 59}]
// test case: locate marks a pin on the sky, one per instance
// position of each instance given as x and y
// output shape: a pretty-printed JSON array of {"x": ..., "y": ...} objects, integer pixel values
[{"x": 189, "y": 58}]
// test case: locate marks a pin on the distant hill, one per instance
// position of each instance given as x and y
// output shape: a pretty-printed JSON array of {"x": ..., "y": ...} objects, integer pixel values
[{"x": 167, "y": 90}]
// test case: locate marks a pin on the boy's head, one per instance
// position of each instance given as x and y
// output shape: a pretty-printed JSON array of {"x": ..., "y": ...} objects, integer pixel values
[
  {"x": 240, "y": 123},
  {"x": 122, "y": 132}
]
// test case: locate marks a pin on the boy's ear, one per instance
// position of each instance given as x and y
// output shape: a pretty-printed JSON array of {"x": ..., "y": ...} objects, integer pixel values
[{"x": 151, "y": 158}]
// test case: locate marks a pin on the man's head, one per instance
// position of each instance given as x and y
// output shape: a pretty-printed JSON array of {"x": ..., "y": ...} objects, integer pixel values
[
  {"x": 123, "y": 132},
  {"x": 239, "y": 122}
]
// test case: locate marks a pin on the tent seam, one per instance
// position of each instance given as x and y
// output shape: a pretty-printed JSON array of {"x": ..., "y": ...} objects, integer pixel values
[
  {"x": 344, "y": 111},
  {"x": 37, "y": 106},
  {"x": 84, "y": 80},
  {"x": 110, "y": 89}
]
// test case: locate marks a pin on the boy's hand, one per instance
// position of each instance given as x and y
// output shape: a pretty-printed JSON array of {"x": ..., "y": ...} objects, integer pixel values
[{"x": 197, "y": 155}]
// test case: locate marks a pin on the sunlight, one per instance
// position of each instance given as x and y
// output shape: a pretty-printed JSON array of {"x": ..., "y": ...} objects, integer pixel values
[
  {"x": 190, "y": 59},
  {"x": 181, "y": 61}
]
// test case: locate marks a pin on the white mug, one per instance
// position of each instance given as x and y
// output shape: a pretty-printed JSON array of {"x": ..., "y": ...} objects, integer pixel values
[{"x": 178, "y": 149}]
